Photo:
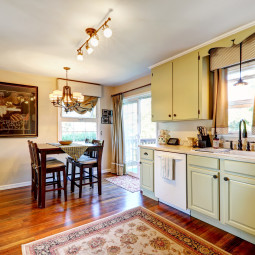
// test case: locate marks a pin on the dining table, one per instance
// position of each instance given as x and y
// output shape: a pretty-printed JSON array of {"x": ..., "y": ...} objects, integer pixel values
[{"x": 45, "y": 149}]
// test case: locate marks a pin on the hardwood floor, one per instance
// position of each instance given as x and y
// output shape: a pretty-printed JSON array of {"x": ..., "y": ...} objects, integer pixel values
[{"x": 22, "y": 222}]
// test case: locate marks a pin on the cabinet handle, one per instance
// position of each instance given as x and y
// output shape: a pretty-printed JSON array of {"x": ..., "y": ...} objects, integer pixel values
[
  {"x": 215, "y": 176},
  {"x": 226, "y": 179},
  {"x": 170, "y": 115},
  {"x": 145, "y": 153},
  {"x": 174, "y": 115}
]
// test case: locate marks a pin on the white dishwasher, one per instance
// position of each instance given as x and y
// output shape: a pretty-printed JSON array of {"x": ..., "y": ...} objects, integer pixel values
[{"x": 171, "y": 192}]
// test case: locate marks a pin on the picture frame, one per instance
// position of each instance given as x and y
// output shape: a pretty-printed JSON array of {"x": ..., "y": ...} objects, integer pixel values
[
  {"x": 107, "y": 116},
  {"x": 18, "y": 110},
  {"x": 105, "y": 112},
  {"x": 105, "y": 120}
]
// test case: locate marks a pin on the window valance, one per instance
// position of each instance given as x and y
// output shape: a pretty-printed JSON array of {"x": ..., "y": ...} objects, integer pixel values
[{"x": 225, "y": 57}]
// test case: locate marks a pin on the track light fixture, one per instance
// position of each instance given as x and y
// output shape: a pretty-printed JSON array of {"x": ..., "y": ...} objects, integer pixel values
[{"x": 93, "y": 40}]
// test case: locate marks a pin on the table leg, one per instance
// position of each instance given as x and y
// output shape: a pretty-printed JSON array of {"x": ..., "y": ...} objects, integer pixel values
[
  {"x": 43, "y": 179},
  {"x": 99, "y": 172}
]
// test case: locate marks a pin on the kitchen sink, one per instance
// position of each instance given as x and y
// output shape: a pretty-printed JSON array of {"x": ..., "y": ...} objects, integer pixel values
[
  {"x": 228, "y": 151},
  {"x": 242, "y": 153},
  {"x": 212, "y": 150}
]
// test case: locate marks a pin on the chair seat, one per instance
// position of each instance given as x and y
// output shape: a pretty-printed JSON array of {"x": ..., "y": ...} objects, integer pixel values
[
  {"x": 50, "y": 158},
  {"x": 86, "y": 160},
  {"x": 54, "y": 164}
]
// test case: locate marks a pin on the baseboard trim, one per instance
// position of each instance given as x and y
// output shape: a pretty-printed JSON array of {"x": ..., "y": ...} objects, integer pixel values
[
  {"x": 15, "y": 185},
  {"x": 106, "y": 170}
]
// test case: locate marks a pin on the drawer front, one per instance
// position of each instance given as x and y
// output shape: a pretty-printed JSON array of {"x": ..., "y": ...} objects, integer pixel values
[
  {"x": 239, "y": 167},
  {"x": 206, "y": 162},
  {"x": 146, "y": 154}
]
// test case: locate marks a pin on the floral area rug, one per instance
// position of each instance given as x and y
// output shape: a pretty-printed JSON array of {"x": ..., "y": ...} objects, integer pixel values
[
  {"x": 137, "y": 231},
  {"x": 127, "y": 182}
]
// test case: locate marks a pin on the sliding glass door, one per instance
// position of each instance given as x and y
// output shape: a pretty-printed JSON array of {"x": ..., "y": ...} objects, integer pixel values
[{"x": 138, "y": 129}]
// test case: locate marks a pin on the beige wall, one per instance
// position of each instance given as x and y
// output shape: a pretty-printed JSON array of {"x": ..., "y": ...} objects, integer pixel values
[
  {"x": 105, "y": 129},
  {"x": 14, "y": 156}
]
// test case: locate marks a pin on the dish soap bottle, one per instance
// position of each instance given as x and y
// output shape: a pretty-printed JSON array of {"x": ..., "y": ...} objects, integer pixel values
[{"x": 216, "y": 142}]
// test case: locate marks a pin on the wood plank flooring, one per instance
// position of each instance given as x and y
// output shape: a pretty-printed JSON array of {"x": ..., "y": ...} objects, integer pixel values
[{"x": 22, "y": 222}]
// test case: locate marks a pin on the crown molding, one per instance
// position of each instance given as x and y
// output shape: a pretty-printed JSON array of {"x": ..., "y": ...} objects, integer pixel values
[{"x": 239, "y": 29}]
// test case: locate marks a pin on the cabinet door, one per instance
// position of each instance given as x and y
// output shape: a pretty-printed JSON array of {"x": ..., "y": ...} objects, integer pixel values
[
  {"x": 161, "y": 92},
  {"x": 203, "y": 191},
  {"x": 147, "y": 175},
  {"x": 239, "y": 205},
  {"x": 185, "y": 87}
]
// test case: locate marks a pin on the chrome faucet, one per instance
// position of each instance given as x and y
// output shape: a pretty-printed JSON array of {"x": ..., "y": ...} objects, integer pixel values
[{"x": 240, "y": 146}]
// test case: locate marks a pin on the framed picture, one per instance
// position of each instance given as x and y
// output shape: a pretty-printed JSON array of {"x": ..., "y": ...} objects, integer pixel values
[
  {"x": 105, "y": 120},
  {"x": 107, "y": 116},
  {"x": 18, "y": 110},
  {"x": 105, "y": 112}
]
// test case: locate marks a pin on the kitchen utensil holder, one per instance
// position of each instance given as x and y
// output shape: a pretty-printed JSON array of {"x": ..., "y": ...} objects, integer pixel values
[{"x": 204, "y": 141}]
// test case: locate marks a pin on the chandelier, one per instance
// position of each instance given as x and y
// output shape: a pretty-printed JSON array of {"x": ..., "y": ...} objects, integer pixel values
[
  {"x": 66, "y": 99},
  {"x": 93, "y": 39}
]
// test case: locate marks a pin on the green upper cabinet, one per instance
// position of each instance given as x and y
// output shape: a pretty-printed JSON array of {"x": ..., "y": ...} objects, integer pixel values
[
  {"x": 182, "y": 89},
  {"x": 161, "y": 92},
  {"x": 185, "y": 87}
]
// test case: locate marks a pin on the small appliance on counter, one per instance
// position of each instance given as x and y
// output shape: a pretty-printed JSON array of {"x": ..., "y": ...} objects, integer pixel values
[
  {"x": 203, "y": 137},
  {"x": 163, "y": 136},
  {"x": 173, "y": 141}
]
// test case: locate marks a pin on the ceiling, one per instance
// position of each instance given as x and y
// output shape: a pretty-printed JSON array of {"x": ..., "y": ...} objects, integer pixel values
[{"x": 41, "y": 37}]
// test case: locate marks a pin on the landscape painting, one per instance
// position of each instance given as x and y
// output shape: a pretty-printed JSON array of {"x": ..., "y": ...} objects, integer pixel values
[{"x": 18, "y": 110}]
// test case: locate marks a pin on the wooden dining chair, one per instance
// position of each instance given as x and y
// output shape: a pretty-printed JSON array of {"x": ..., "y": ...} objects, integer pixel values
[
  {"x": 52, "y": 166},
  {"x": 51, "y": 177},
  {"x": 83, "y": 163}
]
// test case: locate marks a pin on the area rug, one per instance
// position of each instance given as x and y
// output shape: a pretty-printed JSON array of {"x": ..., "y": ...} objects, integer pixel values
[
  {"x": 137, "y": 231},
  {"x": 127, "y": 182}
]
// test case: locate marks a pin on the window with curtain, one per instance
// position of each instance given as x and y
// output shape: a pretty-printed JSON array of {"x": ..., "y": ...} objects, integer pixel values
[
  {"x": 78, "y": 127},
  {"x": 240, "y": 98}
]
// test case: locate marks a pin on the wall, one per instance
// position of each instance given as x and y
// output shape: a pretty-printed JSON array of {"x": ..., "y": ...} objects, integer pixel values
[
  {"x": 105, "y": 129},
  {"x": 14, "y": 156}
]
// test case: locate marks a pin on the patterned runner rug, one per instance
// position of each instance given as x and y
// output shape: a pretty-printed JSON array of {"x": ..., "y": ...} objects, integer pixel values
[
  {"x": 137, "y": 231},
  {"x": 127, "y": 182}
]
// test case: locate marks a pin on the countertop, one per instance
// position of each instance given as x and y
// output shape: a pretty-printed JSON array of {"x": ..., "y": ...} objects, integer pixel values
[{"x": 193, "y": 151}]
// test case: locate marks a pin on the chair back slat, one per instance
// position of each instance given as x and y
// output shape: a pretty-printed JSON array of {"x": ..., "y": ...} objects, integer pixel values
[
  {"x": 35, "y": 152},
  {"x": 30, "y": 152},
  {"x": 94, "y": 153}
]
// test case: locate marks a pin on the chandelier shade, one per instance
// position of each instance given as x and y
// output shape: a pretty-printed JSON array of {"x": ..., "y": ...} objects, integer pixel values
[{"x": 66, "y": 99}]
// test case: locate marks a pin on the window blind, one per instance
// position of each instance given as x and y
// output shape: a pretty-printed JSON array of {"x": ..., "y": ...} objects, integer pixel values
[{"x": 225, "y": 57}]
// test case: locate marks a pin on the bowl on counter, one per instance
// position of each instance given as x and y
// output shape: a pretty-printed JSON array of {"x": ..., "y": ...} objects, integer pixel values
[{"x": 67, "y": 142}]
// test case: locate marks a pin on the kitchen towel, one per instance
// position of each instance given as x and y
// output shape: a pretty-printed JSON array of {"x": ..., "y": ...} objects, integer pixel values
[{"x": 167, "y": 167}]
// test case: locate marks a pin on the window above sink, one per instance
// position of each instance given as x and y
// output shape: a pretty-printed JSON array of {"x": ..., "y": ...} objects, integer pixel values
[{"x": 241, "y": 98}]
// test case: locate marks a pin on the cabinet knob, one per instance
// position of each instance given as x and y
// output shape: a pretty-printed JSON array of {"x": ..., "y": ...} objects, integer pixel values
[
  {"x": 174, "y": 115},
  {"x": 170, "y": 115},
  {"x": 140, "y": 162},
  {"x": 215, "y": 176},
  {"x": 145, "y": 153},
  {"x": 226, "y": 179}
]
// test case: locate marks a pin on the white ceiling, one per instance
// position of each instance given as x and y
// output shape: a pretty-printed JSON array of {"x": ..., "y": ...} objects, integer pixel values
[{"x": 41, "y": 36}]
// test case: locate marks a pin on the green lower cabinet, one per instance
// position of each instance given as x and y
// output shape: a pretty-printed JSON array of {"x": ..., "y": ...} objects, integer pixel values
[
  {"x": 239, "y": 202},
  {"x": 147, "y": 175},
  {"x": 203, "y": 191}
]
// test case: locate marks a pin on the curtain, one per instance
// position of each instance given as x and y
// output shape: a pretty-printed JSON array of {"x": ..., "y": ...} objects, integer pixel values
[
  {"x": 224, "y": 57},
  {"x": 220, "y": 107},
  {"x": 253, "y": 119},
  {"x": 118, "y": 166},
  {"x": 87, "y": 105}
]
